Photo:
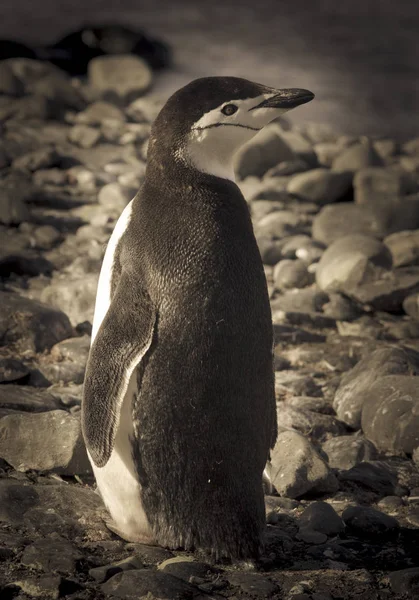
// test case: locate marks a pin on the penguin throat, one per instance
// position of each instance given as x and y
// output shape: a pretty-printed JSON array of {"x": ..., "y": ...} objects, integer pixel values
[{"x": 211, "y": 150}]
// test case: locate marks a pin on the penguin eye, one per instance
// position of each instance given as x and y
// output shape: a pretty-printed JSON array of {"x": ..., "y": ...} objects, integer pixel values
[{"x": 229, "y": 109}]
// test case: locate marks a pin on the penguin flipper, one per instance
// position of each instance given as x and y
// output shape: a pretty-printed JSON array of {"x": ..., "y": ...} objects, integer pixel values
[{"x": 123, "y": 339}]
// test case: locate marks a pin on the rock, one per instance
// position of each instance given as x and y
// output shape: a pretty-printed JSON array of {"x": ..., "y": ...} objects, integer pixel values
[
  {"x": 320, "y": 186},
  {"x": 357, "y": 382},
  {"x": 365, "y": 521},
  {"x": 132, "y": 585},
  {"x": 255, "y": 584},
  {"x": 375, "y": 476},
  {"x": 98, "y": 112},
  {"x": 379, "y": 187},
  {"x": 341, "y": 308},
  {"x": 321, "y": 517},
  {"x": 12, "y": 209},
  {"x": 326, "y": 152},
  {"x": 311, "y": 424},
  {"x": 27, "y": 399},
  {"x": 29, "y": 325},
  {"x": 308, "y": 300},
  {"x": 338, "y": 220},
  {"x": 344, "y": 452},
  {"x": 43, "y": 158},
  {"x": 115, "y": 198},
  {"x": 389, "y": 292},
  {"x": 302, "y": 385},
  {"x": 350, "y": 261},
  {"x": 270, "y": 250},
  {"x": 357, "y": 157},
  {"x": 297, "y": 468},
  {"x": 51, "y": 554},
  {"x": 278, "y": 224},
  {"x": 26, "y": 108},
  {"x": 291, "y": 274},
  {"x": 295, "y": 335},
  {"x": 404, "y": 247},
  {"x": 12, "y": 370},
  {"x": 84, "y": 136},
  {"x": 288, "y": 167},
  {"x": 44, "y": 442},
  {"x": 261, "y": 208},
  {"x": 308, "y": 536},
  {"x": 102, "y": 574},
  {"x": 405, "y": 581},
  {"x": 264, "y": 151},
  {"x": 186, "y": 568},
  {"x": 75, "y": 295},
  {"x": 391, "y": 504},
  {"x": 144, "y": 110},
  {"x": 386, "y": 148},
  {"x": 411, "y": 305},
  {"x": 390, "y": 413},
  {"x": 119, "y": 78},
  {"x": 317, "y": 405}
]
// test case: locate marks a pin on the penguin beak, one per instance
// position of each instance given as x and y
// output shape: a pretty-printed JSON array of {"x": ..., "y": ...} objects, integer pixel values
[{"x": 286, "y": 99}]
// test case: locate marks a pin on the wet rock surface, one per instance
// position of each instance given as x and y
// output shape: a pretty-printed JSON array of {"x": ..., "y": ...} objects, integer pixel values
[{"x": 336, "y": 222}]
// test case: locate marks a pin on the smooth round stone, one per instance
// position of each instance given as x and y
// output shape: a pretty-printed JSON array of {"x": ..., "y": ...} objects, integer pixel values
[
  {"x": 321, "y": 186},
  {"x": 322, "y": 518},
  {"x": 366, "y": 521},
  {"x": 311, "y": 537},
  {"x": 289, "y": 274}
]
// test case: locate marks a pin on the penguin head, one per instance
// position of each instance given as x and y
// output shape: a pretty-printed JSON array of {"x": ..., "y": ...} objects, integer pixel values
[{"x": 204, "y": 124}]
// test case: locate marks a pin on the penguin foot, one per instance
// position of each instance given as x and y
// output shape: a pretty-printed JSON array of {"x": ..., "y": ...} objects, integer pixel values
[{"x": 140, "y": 538}]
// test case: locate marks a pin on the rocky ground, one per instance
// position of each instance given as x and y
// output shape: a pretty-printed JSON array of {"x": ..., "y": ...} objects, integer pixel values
[{"x": 337, "y": 222}]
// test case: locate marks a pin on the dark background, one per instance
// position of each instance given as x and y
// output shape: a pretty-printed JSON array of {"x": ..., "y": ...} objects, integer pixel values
[{"x": 361, "y": 58}]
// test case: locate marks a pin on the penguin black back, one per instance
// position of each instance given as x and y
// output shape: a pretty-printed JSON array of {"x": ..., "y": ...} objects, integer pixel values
[{"x": 190, "y": 320}]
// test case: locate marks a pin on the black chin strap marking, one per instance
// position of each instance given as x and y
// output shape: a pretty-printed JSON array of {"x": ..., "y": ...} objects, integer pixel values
[{"x": 228, "y": 125}]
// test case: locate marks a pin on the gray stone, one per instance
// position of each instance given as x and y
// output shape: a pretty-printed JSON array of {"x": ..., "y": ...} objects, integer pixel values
[
  {"x": 12, "y": 209},
  {"x": 26, "y": 399},
  {"x": 74, "y": 294},
  {"x": 46, "y": 588},
  {"x": 320, "y": 186},
  {"x": 279, "y": 224},
  {"x": 119, "y": 77},
  {"x": 51, "y": 554},
  {"x": 317, "y": 405},
  {"x": 297, "y": 468},
  {"x": 46, "y": 237},
  {"x": 384, "y": 361},
  {"x": 307, "y": 300},
  {"x": 405, "y": 581},
  {"x": 375, "y": 476},
  {"x": 144, "y": 110},
  {"x": 289, "y": 167},
  {"x": 115, "y": 198},
  {"x": 311, "y": 424},
  {"x": 264, "y": 151},
  {"x": 389, "y": 291},
  {"x": 365, "y": 521},
  {"x": 357, "y": 157},
  {"x": 256, "y": 584},
  {"x": 379, "y": 187},
  {"x": 26, "y": 108},
  {"x": 84, "y": 136},
  {"x": 29, "y": 325},
  {"x": 270, "y": 250},
  {"x": 11, "y": 370},
  {"x": 261, "y": 208},
  {"x": 386, "y": 148},
  {"x": 98, "y": 112},
  {"x": 411, "y": 305},
  {"x": 43, "y": 158},
  {"x": 321, "y": 517},
  {"x": 404, "y": 247},
  {"x": 102, "y": 574},
  {"x": 350, "y": 261},
  {"x": 390, "y": 413},
  {"x": 344, "y": 452},
  {"x": 311, "y": 537},
  {"x": 338, "y": 220},
  {"x": 132, "y": 585},
  {"x": 320, "y": 132},
  {"x": 326, "y": 152},
  {"x": 289, "y": 274},
  {"x": 185, "y": 568},
  {"x": 315, "y": 320},
  {"x": 295, "y": 335},
  {"x": 391, "y": 504},
  {"x": 412, "y": 146},
  {"x": 48, "y": 441},
  {"x": 341, "y": 308}
]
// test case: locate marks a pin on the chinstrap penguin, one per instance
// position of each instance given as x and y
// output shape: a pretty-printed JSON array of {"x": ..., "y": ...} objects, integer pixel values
[{"x": 179, "y": 411}]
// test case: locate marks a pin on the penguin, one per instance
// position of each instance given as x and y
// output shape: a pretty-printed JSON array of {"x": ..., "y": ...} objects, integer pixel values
[{"x": 179, "y": 411}]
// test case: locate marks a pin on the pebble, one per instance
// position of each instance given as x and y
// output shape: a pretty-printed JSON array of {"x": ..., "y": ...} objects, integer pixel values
[
  {"x": 390, "y": 414},
  {"x": 322, "y": 518},
  {"x": 29, "y": 325},
  {"x": 297, "y": 468},
  {"x": 74, "y": 294},
  {"x": 12, "y": 370},
  {"x": 404, "y": 247},
  {"x": 366, "y": 521},
  {"x": 256, "y": 584},
  {"x": 119, "y": 78},
  {"x": 355, "y": 383},
  {"x": 335, "y": 221},
  {"x": 102, "y": 574},
  {"x": 132, "y": 585},
  {"x": 51, "y": 554},
  {"x": 263, "y": 152},
  {"x": 372, "y": 475},
  {"x": 84, "y": 136},
  {"x": 321, "y": 186},
  {"x": 350, "y": 261},
  {"x": 356, "y": 157},
  {"x": 48, "y": 441},
  {"x": 405, "y": 581},
  {"x": 289, "y": 274},
  {"x": 344, "y": 452}
]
